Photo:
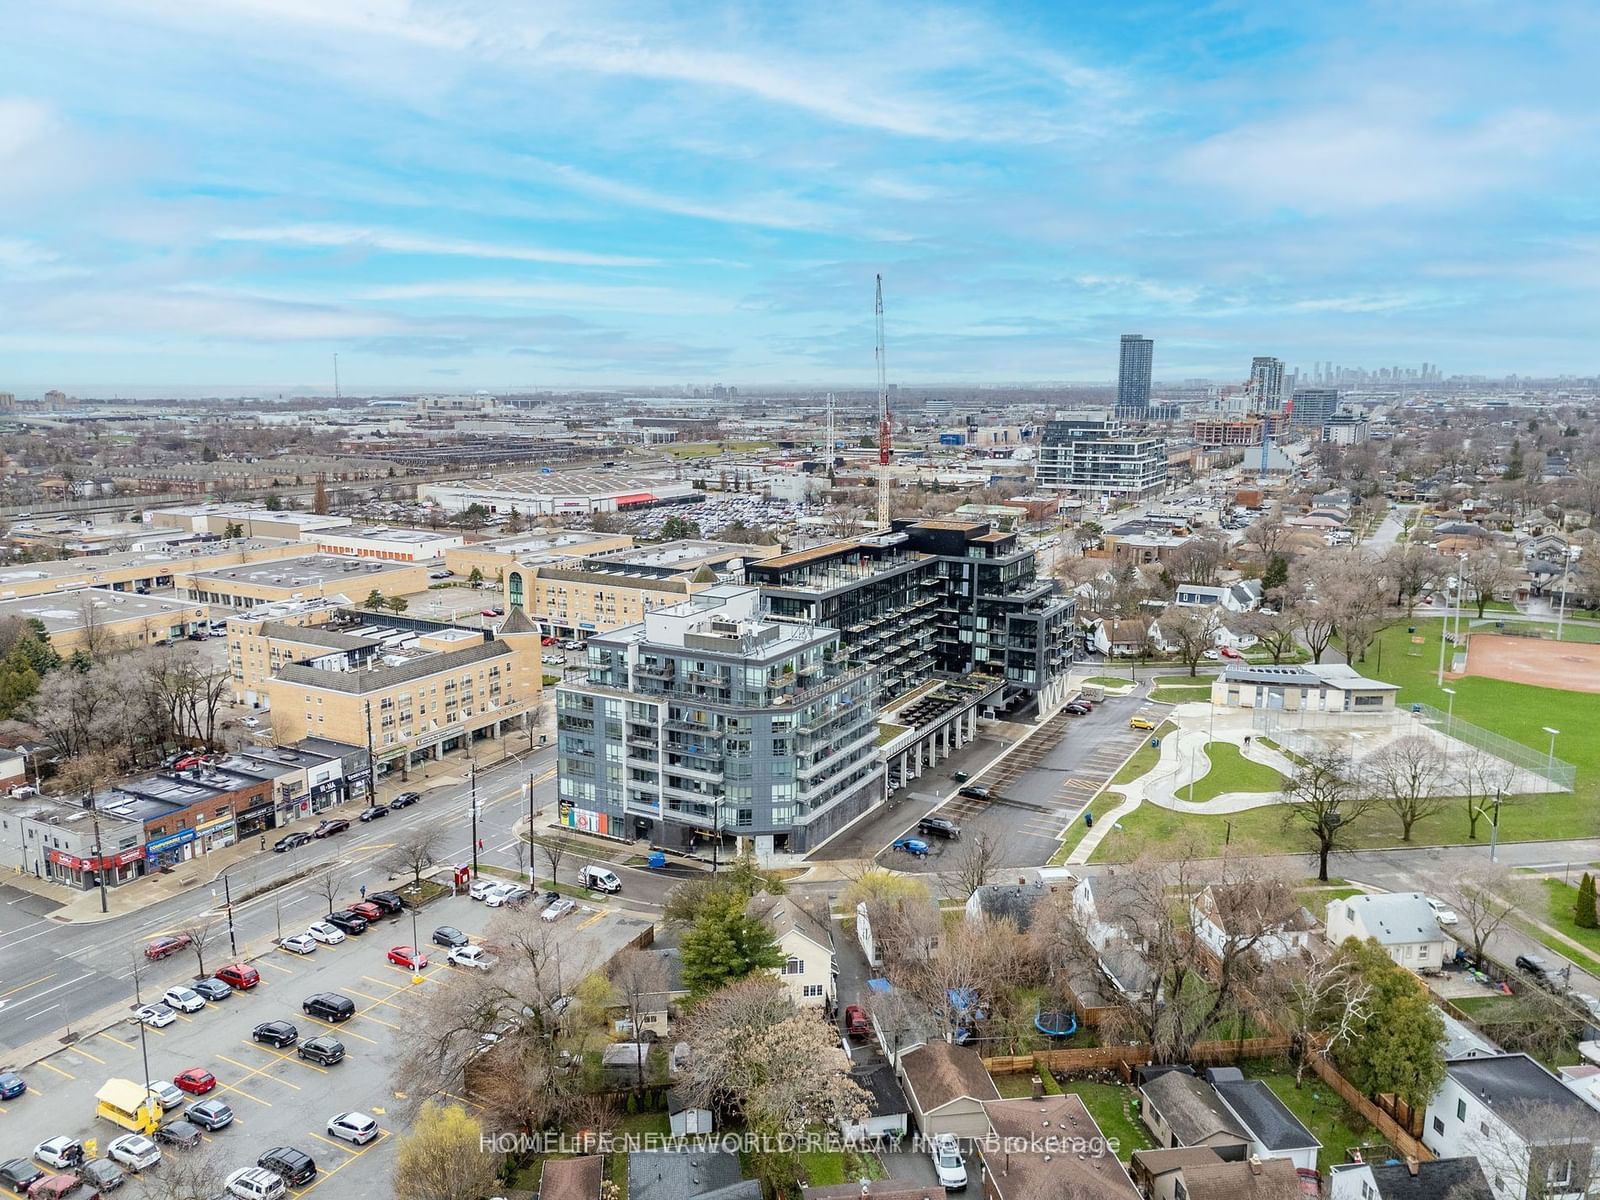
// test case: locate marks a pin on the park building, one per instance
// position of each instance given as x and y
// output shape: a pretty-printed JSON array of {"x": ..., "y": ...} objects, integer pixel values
[
  {"x": 1325, "y": 687},
  {"x": 710, "y": 721}
]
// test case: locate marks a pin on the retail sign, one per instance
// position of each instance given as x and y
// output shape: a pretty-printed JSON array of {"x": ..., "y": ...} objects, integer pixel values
[
  {"x": 71, "y": 861},
  {"x": 585, "y": 820},
  {"x": 182, "y": 838}
]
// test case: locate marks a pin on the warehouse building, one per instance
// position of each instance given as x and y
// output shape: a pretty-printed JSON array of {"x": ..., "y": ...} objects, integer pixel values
[{"x": 561, "y": 494}]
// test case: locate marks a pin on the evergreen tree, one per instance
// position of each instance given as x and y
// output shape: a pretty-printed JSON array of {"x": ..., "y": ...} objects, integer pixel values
[
  {"x": 725, "y": 944},
  {"x": 374, "y": 600},
  {"x": 1276, "y": 573},
  {"x": 1583, "y": 910}
]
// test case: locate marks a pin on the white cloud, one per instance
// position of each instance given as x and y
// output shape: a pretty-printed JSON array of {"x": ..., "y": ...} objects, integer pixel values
[
  {"x": 773, "y": 211},
  {"x": 339, "y": 236},
  {"x": 670, "y": 301}
]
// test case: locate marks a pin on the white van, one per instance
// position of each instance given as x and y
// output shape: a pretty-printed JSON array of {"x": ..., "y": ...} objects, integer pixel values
[{"x": 599, "y": 879}]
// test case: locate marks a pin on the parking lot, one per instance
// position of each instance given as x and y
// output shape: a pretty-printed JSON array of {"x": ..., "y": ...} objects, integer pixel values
[{"x": 279, "y": 1099}]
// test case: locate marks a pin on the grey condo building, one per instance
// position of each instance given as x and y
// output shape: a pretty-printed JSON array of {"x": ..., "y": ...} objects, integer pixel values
[
  {"x": 1313, "y": 407},
  {"x": 1091, "y": 453},
  {"x": 1133, "y": 371},
  {"x": 709, "y": 719},
  {"x": 1266, "y": 379}
]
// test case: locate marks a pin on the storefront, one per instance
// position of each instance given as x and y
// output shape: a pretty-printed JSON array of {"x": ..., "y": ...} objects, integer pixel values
[
  {"x": 216, "y": 834},
  {"x": 168, "y": 851},
  {"x": 257, "y": 819}
]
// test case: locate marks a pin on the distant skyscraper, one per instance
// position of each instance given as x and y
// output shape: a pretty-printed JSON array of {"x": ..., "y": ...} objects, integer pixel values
[
  {"x": 1133, "y": 371},
  {"x": 1266, "y": 376}
]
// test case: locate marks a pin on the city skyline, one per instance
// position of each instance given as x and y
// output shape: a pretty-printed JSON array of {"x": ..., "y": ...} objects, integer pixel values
[{"x": 226, "y": 197}]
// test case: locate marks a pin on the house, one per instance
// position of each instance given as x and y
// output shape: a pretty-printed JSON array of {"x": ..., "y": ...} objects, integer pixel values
[
  {"x": 686, "y": 1118},
  {"x": 572, "y": 1178},
  {"x": 1274, "y": 1131},
  {"x": 1327, "y": 687},
  {"x": 900, "y": 927},
  {"x": 1159, "y": 1173},
  {"x": 1181, "y": 1109},
  {"x": 1120, "y": 959},
  {"x": 873, "y": 1189},
  {"x": 1264, "y": 913},
  {"x": 1436, "y": 1179},
  {"x": 1119, "y": 639},
  {"x": 687, "y": 1175},
  {"x": 887, "y": 1109},
  {"x": 1400, "y": 922},
  {"x": 806, "y": 944},
  {"x": 1009, "y": 901},
  {"x": 947, "y": 1087},
  {"x": 1241, "y": 596},
  {"x": 1196, "y": 1173},
  {"x": 1520, "y": 1122},
  {"x": 1049, "y": 1149}
]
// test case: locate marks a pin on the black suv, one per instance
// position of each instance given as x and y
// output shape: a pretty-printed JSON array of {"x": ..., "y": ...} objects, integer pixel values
[
  {"x": 405, "y": 799},
  {"x": 974, "y": 792},
  {"x": 324, "y": 1050},
  {"x": 350, "y": 922},
  {"x": 939, "y": 827},
  {"x": 390, "y": 902},
  {"x": 275, "y": 1033},
  {"x": 296, "y": 1166},
  {"x": 330, "y": 1006},
  {"x": 1534, "y": 967}
]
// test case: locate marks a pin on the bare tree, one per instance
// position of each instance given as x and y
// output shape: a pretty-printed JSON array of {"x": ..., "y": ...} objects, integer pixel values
[
  {"x": 1192, "y": 631},
  {"x": 1408, "y": 776},
  {"x": 1275, "y": 631},
  {"x": 327, "y": 883},
  {"x": 974, "y": 865},
  {"x": 982, "y": 963},
  {"x": 1322, "y": 799},
  {"x": 554, "y": 847},
  {"x": 1484, "y": 897},
  {"x": 1481, "y": 779},
  {"x": 1486, "y": 573},
  {"x": 1413, "y": 569},
  {"x": 414, "y": 853},
  {"x": 519, "y": 855},
  {"x": 1540, "y": 1151},
  {"x": 200, "y": 930},
  {"x": 1268, "y": 536},
  {"x": 1199, "y": 560},
  {"x": 1325, "y": 1003},
  {"x": 639, "y": 983},
  {"x": 183, "y": 1176}
]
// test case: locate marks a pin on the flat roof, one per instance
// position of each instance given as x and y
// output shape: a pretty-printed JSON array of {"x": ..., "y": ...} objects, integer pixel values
[
  {"x": 388, "y": 533},
  {"x": 567, "y": 483},
  {"x": 543, "y": 541},
  {"x": 304, "y": 570},
  {"x": 67, "y": 610},
  {"x": 680, "y": 555},
  {"x": 174, "y": 556}
]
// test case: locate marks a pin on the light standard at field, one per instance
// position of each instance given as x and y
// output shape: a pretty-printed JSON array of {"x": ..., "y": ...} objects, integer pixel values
[
  {"x": 1550, "y": 761},
  {"x": 1450, "y": 711}
]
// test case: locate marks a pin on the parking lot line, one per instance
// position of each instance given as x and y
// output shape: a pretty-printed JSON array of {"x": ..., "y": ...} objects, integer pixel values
[
  {"x": 233, "y": 1087},
  {"x": 342, "y": 1031},
  {"x": 77, "y": 1048},
  {"x": 276, "y": 966},
  {"x": 252, "y": 1071},
  {"x": 284, "y": 1056},
  {"x": 118, "y": 1041},
  {"x": 352, "y": 1153},
  {"x": 338, "y": 1145},
  {"x": 57, "y": 1070}
]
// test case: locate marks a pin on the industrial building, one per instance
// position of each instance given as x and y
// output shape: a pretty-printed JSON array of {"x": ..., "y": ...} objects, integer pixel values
[
  {"x": 251, "y": 521},
  {"x": 493, "y": 557},
  {"x": 561, "y": 494},
  {"x": 710, "y": 719},
  {"x": 139, "y": 571},
  {"x": 309, "y": 577},
  {"x": 392, "y": 545}
]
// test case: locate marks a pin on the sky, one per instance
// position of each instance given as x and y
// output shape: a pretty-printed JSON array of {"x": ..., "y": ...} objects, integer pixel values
[{"x": 501, "y": 194}]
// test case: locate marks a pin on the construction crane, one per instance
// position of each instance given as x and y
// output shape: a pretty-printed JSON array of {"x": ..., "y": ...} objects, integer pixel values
[{"x": 884, "y": 438}]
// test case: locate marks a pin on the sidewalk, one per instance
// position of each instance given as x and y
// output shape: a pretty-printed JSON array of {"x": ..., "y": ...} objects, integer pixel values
[{"x": 83, "y": 907}]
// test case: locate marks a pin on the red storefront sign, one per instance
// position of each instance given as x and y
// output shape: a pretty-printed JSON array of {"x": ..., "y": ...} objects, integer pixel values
[{"x": 73, "y": 863}]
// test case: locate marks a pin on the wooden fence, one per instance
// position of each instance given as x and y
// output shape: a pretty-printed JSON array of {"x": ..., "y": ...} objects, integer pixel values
[
  {"x": 1121, "y": 1058},
  {"x": 1393, "y": 1132}
]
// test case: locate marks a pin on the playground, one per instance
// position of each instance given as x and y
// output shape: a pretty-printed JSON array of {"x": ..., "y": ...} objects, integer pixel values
[{"x": 1566, "y": 666}]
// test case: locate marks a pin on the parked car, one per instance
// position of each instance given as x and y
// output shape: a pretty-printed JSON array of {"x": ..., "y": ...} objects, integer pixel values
[
  {"x": 275, "y": 1033},
  {"x": 354, "y": 1127},
  {"x": 103, "y": 1174},
  {"x": 209, "y": 1114},
  {"x": 329, "y": 828},
  {"x": 213, "y": 989},
  {"x": 58, "y": 1187},
  {"x": 255, "y": 1183},
  {"x": 157, "y": 1016},
  {"x": 18, "y": 1174},
  {"x": 1077, "y": 708},
  {"x": 481, "y": 887},
  {"x": 163, "y": 947},
  {"x": 939, "y": 827},
  {"x": 915, "y": 847},
  {"x": 12, "y": 1085},
  {"x": 294, "y": 1166},
  {"x": 134, "y": 1151},
  {"x": 559, "y": 908},
  {"x": 471, "y": 956},
  {"x": 329, "y": 1006},
  {"x": 241, "y": 976},
  {"x": 328, "y": 935},
  {"x": 197, "y": 1081},
  {"x": 409, "y": 957},
  {"x": 59, "y": 1152},
  {"x": 1534, "y": 967},
  {"x": 181, "y": 1134},
  {"x": 367, "y": 911},
  {"x": 449, "y": 935},
  {"x": 389, "y": 902},
  {"x": 405, "y": 799},
  {"x": 856, "y": 1023},
  {"x": 323, "y": 1050},
  {"x": 299, "y": 943},
  {"x": 600, "y": 879},
  {"x": 948, "y": 1163},
  {"x": 508, "y": 895},
  {"x": 374, "y": 812},
  {"x": 1140, "y": 723},
  {"x": 348, "y": 922},
  {"x": 974, "y": 791},
  {"x": 1442, "y": 912},
  {"x": 291, "y": 842},
  {"x": 183, "y": 999}
]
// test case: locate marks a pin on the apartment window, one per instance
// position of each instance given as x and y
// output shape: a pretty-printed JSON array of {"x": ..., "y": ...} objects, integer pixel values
[
  {"x": 745, "y": 818},
  {"x": 794, "y": 966},
  {"x": 1461, "y": 1110}
]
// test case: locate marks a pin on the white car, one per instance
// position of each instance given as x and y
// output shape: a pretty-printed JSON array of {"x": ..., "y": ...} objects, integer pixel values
[
  {"x": 354, "y": 1127},
  {"x": 471, "y": 956},
  {"x": 495, "y": 894},
  {"x": 158, "y": 1015},
  {"x": 59, "y": 1152},
  {"x": 300, "y": 943},
  {"x": 1442, "y": 912},
  {"x": 328, "y": 935},
  {"x": 183, "y": 999},
  {"x": 134, "y": 1151},
  {"x": 256, "y": 1183},
  {"x": 250, "y": 723},
  {"x": 481, "y": 887},
  {"x": 166, "y": 1092},
  {"x": 511, "y": 893},
  {"x": 559, "y": 908},
  {"x": 948, "y": 1164}
]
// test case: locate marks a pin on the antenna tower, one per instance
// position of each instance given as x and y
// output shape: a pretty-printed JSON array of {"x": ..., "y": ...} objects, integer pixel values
[
  {"x": 336, "y": 377},
  {"x": 884, "y": 439},
  {"x": 831, "y": 443}
]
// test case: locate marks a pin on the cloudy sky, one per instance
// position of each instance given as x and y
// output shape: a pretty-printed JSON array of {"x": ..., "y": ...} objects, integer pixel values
[{"x": 454, "y": 194}]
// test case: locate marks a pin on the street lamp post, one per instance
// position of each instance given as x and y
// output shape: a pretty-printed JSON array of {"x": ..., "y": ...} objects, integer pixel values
[
  {"x": 1450, "y": 711},
  {"x": 1550, "y": 760},
  {"x": 227, "y": 903}
]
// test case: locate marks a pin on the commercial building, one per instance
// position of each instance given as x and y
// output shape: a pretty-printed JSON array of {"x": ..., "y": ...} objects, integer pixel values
[
  {"x": 564, "y": 493},
  {"x": 492, "y": 558},
  {"x": 574, "y": 598},
  {"x": 410, "y": 689},
  {"x": 392, "y": 545},
  {"x": 309, "y": 577},
  {"x": 99, "y": 619},
  {"x": 1133, "y": 371},
  {"x": 710, "y": 718},
  {"x": 1313, "y": 406},
  {"x": 250, "y": 520},
  {"x": 1090, "y": 453},
  {"x": 141, "y": 571},
  {"x": 1347, "y": 427},
  {"x": 58, "y": 840}
]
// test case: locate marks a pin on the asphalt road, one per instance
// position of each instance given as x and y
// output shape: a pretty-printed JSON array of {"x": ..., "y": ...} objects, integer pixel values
[
  {"x": 55, "y": 974},
  {"x": 279, "y": 1099}
]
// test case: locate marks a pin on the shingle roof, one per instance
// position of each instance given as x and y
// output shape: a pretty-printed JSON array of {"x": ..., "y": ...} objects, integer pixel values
[
  {"x": 688, "y": 1175},
  {"x": 938, "y": 1073},
  {"x": 1259, "y": 1179},
  {"x": 784, "y": 913},
  {"x": 1274, "y": 1126},
  {"x": 1011, "y": 900},
  {"x": 1396, "y": 918},
  {"x": 1455, "y": 1178},
  {"x": 571, "y": 1178},
  {"x": 377, "y": 678},
  {"x": 884, "y": 1095},
  {"x": 1191, "y": 1108},
  {"x": 877, "y": 1189},
  {"x": 1061, "y": 1128}
]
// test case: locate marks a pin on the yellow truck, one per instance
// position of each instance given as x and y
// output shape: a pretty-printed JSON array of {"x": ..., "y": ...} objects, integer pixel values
[{"x": 130, "y": 1105}]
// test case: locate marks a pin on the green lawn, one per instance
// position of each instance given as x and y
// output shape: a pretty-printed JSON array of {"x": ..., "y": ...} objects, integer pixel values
[
  {"x": 1335, "y": 1125},
  {"x": 1145, "y": 757},
  {"x": 829, "y": 1168},
  {"x": 1110, "y": 681},
  {"x": 1231, "y": 771},
  {"x": 888, "y": 731},
  {"x": 1560, "y": 899},
  {"x": 1570, "y": 632},
  {"x": 711, "y": 449},
  {"x": 1108, "y": 1105},
  {"x": 1181, "y": 695}
]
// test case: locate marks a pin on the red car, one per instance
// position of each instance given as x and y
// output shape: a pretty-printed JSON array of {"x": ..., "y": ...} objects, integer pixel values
[
  {"x": 239, "y": 975},
  {"x": 409, "y": 957},
  {"x": 547, "y": 641},
  {"x": 1230, "y": 652},
  {"x": 369, "y": 910},
  {"x": 197, "y": 1081},
  {"x": 855, "y": 1021},
  {"x": 193, "y": 760},
  {"x": 164, "y": 946}
]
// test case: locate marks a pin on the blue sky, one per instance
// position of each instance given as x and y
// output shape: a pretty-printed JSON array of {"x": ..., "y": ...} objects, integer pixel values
[{"x": 470, "y": 193}]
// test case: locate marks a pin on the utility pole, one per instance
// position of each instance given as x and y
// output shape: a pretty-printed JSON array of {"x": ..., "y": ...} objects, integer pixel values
[
  {"x": 885, "y": 438},
  {"x": 474, "y": 776},
  {"x": 532, "y": 874},
  {"x": 227, "y": 901},
  {"x": 99, "y": 854},
  {"x": 336, "y": 395},
  {"x": 372, "y": 769}
]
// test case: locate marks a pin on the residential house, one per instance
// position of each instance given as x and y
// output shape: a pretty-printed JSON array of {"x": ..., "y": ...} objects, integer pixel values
[
  {"x": 901, "y": 927},
  {"x": 1196, "y": 1173},
  {"x": 1274, "y": 1131},
  {"x": 687, "y": 1175},
  {"x": 572, "y": 1178},
  {"x": 1120, "y": 958},
  {"x": 873, "y": 1189},
  {"x": 1266, "y": 911},
  {"x": 887, "y": 1109},
  {"x": 1119, "y": 639},
  {"x": 1049, "y": 1149},
  {"x": 1006, "y": 901},
  {"x": 1532, "y": 1134},
  {"x": 1159, "y": 1173},
  {"x": 1436, "y": 1179},
  {"x": 1401, "y": 922},
  {"x": 1241, "y": 596},
  {"x": 805, "y": 942},
  {"x": 1181, "y": 1109},
  {"x": 947, "y": 1087}
]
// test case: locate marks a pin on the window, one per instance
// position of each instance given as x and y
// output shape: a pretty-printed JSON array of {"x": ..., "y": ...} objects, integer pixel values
[
  {"x": 794, "y": 966},
  {"x": 812, "y": 990},
  {"x": 1438, "y": 1125},
  {"x": 1461, "y": 1110}
]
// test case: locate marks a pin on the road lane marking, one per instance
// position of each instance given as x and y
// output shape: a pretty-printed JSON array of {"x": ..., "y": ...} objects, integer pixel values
[{"x": 22, "y": 987}]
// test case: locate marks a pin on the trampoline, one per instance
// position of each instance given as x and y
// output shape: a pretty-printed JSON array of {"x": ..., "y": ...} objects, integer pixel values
[{"x": 1056, "y": 1022}]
